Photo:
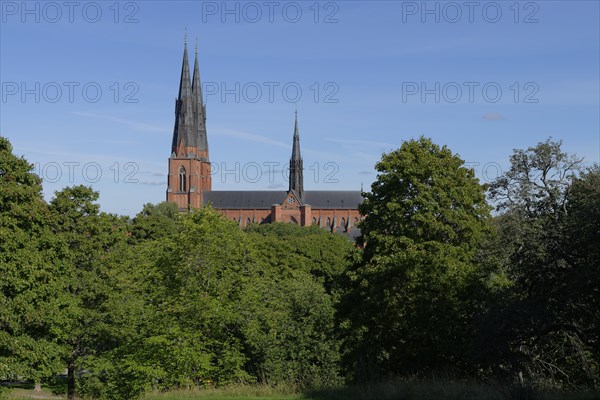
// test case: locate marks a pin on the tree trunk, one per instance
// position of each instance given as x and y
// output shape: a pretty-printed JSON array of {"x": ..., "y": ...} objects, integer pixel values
[
  {"x": 38, "y": 387},
  {"x": 71, "y": 381}
]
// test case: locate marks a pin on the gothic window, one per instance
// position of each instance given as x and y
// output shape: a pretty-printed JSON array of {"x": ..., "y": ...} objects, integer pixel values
[
  {"x": 248, "y": 222},
  {"x": 328, "y": 222},
  {"x": 343, "y": 222},
  {"x": 293, "y": 220},
  {"x": 314, "y": 221},
  {"x": 182, "y": 179}
]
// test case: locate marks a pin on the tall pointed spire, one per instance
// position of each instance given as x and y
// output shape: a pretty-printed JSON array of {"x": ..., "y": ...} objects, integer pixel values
[
  {"x": 199, "y": 107},
  {"x": 190, "y": 112},
  {"x": 296, "y": 146},
  {"x": 296, "y": 167},
  {"x": 183, "y": 105},
  {"x": 189, "y": 164}
]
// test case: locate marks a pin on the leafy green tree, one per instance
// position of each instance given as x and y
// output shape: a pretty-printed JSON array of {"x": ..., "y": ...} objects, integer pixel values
[
  {"x": 224, "y": 305},
  {"x": 314, "y": 250},
  {"x": 90, "y": 236},
  {"x": 192, "y": 283},
  {"x": 31, "y": 275},
  {"x": 583, "y": 294},
  {"x": 538, "y": 182},
  {"x": 155, "y": 221},
  {"x": 408, "y": 308},
  {"x": 541, "y": 321},
  {"x": 584, "y": 217},
  {"x": 290, "y": 331},
  {"x": 126, "y": 316}
]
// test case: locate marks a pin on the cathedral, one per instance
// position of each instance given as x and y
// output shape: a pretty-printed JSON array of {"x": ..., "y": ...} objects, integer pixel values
[{"x": 189, "y": 181}]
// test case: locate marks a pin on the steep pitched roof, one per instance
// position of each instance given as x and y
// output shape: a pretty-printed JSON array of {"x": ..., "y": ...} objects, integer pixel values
[
  {"x": 199, "y": 109},
  {"x": 190, "y": 112},
  {"x": 296, "y": 180},
  {"x": 296, "y": 146},
  {"x": 255, "y": 199},
  {"x": 246, "y": 199}
]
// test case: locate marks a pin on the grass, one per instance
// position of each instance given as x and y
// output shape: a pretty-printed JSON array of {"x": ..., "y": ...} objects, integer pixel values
[
  {"x": 239, "y": 392},
  {"x": 24, "y": 390},
  {"x": 393, "y": 390},
  {"x": 29, "y": 394},
  {"x": 443, "y": 390}
]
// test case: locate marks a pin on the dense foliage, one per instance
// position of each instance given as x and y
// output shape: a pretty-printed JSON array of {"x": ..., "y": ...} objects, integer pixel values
[
  {"x": 31, "y": 270},
  {"x": 409, "y": 301},
  {"x": 544, "y": 321},
  {"x": 436, "y": 285}
]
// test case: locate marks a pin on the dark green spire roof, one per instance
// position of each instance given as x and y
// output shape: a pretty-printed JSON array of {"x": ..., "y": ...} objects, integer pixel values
[
  {"x": 199, "y": 107},
  {"x": 190, "y": 112},
  {"x": 296, "y": 167},
  {"x": 296, "y": 145}
]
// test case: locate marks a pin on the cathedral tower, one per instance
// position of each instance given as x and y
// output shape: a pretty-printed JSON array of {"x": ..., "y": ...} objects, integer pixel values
[
  {"x": 189, "y": 165},
  {"x": 296, "y": 176}
]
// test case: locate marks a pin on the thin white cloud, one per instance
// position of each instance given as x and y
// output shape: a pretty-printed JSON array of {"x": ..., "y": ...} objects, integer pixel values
[
  {"x": 139, "y": 126},
  {"x": 61, "y": 155},
  {"x": 153, "y": 183},
  {"x": 152, "y": 173},
  {"x": 360, "y": 142},
  {"x": 251, "y": 137},
  {"x": 493, "y": 116}
]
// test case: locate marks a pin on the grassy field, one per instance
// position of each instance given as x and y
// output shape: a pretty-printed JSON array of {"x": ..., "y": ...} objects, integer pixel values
[{"x": 388, "y": 391}]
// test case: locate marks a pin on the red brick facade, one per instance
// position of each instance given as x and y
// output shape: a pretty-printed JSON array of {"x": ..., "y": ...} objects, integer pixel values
[
  {"x": 304, "y": 215},
  {"x": 189, "y": 178}
]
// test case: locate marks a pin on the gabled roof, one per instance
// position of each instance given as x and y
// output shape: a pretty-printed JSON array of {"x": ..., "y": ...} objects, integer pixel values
[
  {"x": 255, "y": 199},
  {"x": 244, "y": 199}
]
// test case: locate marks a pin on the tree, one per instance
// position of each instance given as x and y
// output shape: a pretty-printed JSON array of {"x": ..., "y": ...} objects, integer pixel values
[
  {"x": 289, "y": 307},
  {"x": 155, "y": 221},
  {"x": 538, "y": 181},
  {"x": 31, "y": 284},
  {"x": 584, "y": 211},
  {"x": 312, "y": 250},
  {"x": 583, "y": 296},
  {"x": 407, "y": 309},
  {"x": 541, "y": 320},
  {"x": 192, "y": 284},
  {"x": 90, "y": 237}
]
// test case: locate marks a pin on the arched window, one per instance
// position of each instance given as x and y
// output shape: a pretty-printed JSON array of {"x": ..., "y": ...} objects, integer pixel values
[
  {"x": 182, "y": 179},
  {"x": 314, "y": 222},
  {"x": 248, "y": 221},
  {"x": 355, "y": 221},
  {"x": 328, "y": 222},
  {"x": 343, "y": 222},
  {"x": 293, "y": 220}
]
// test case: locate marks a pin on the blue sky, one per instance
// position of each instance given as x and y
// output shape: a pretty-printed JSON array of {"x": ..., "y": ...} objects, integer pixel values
[{"x": 483, "y": 79}]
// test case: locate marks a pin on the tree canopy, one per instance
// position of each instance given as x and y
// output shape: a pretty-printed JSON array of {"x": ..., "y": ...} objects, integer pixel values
[
  {"x": 435, "y": 284},
  {"x": 407, "y": 309}
]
